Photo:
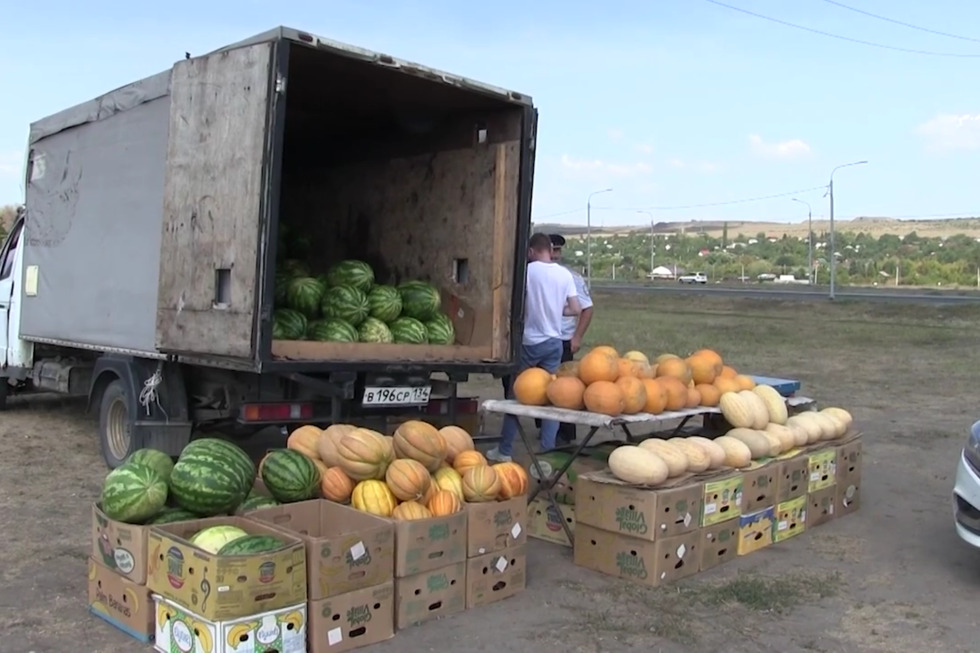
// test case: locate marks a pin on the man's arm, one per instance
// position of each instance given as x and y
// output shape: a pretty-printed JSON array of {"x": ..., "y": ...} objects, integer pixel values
[
  {"x": 585, "y": 317},
  {"x": 572, "y": 307}
]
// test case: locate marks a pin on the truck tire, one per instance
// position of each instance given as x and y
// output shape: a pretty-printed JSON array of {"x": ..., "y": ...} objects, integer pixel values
[
  {"x": 116, "y": 427},
  {"x": 4, "y": 392}
]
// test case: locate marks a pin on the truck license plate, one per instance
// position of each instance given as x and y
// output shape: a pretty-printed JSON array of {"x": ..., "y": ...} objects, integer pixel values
[{"x": 397, "y": 396}]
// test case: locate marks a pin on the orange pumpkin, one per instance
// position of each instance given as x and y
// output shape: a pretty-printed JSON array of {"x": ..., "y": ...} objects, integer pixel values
[
  {"x": 481, "y": 484},
  {"x": 656, "y": 396},
  {"x": 408, "y": 479},
  {"x": 604, "y": 397},
  {"x": 443, "y": 503},
  {"x": 598, "y": 366},
  {"x": 305, "y": 440},
  {"x": 531, "y": 385},
  {"x": 420, "y": 441},
  {"x": 447, "y": 478},
  {"x": 373, "y": 497},
  {"x": 457, "y": 440},
  {"x": 335, "y": 485},
  {"x": 320, "y": 465},
  {"x": 634, "y": 394},
  {"x": 566, "y": 392},
  {"x": 363, "y": 454},
  {"x": 513, "y": 480},
  {"x": 409, "y": 511},
  {"x": 467, "y": 459}
]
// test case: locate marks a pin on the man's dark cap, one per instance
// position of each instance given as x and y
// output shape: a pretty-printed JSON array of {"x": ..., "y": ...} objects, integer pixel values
[{"x": 557, "y": 240}]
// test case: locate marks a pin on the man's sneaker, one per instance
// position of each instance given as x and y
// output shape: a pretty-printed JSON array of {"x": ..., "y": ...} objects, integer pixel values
[{"x": 497, "y": 457}]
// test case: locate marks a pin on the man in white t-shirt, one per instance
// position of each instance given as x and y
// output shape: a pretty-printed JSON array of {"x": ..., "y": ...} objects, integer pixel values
[{"x": 549, "y": 296}]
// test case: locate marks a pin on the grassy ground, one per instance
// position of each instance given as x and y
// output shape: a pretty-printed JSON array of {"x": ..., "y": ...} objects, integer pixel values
[{"x": 891, "y": 578}]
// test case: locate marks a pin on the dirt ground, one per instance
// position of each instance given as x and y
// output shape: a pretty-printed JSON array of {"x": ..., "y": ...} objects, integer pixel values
[{"x": 892, "y": 577}]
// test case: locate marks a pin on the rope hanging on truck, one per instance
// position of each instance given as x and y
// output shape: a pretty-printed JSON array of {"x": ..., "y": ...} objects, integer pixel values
[{"x": 149, "y": 394}]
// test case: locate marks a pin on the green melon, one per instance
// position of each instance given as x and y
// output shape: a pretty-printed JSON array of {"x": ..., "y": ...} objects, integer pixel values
[
  {"x": 304, "y": 294},
  {"x": 154, "y": 458},
  {"x": 441, "y": 331},
  {"x": 290, "y": 476},
  {"x": 213, "y": 538},
  {"x": 408, "y": 330},
  {"x": 281, "y": 288},
  {"x": 295, "y": 268},
  {"x": 133, "y": 493},
  {"x": 255, "y": 503},
  {"x": 288, "y": 324},
  {"x": 345, "y": 303},
  {"x": 385, "y": 303},
  {"x": 420, "y": 300},
  {"x": 374, "y": 330},
  {"x": 250, "y": 545},
  {"x": 333, "y": 330},
  {"x": 171, "y": 515},
  {"x": 351, "y": 273},
  {"x": 212, "y": 477}
]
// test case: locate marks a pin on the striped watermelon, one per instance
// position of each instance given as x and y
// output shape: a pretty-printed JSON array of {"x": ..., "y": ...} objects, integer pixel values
[
  {"x": 158, "y": 460},
  {"x": 374, "y": 330},
  {"x": 440, "y": 329},
  {"x": 251, "y": 544},
  {"x": 351, "y": 273},
  {"x": 295, "y": 268},
  {"x": 280, "y": 294},
  {"x": 304, "y": 294},
  {"x": 420, "y": 300},
  {"x": 288, "y": 324},
  {"x": 333, "y": 330},
  {"x": 254, "y": 503},
  {"x": 345, "y": 303},
  {"x": 133, "y": 493},
  {"x": 385, "y": 303},
  {"x": 408, "y": 330},
  {"x": 289, "y": 475},
  {"x": 170, "y": 515},
  {"x": 212, "y": 477}
]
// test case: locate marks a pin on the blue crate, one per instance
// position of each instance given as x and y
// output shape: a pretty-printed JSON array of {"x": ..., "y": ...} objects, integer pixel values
[{"x": 785, "y": 387}]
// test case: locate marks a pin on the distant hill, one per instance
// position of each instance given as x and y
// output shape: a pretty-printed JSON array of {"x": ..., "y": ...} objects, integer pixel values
[{"x": 873, "y": 226}]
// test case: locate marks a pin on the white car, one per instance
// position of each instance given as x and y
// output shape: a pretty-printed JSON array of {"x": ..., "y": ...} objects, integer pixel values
[
  {"x": 697, "y": 277},
  {"x": 966, "y": 492}
]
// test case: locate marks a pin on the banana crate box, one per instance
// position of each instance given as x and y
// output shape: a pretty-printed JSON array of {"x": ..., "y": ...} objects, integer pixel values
[{"x": 277, "y": 631}]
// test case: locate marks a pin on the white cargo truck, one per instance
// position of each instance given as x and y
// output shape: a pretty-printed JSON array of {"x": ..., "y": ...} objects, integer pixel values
[{"x": 142, "y": 271}]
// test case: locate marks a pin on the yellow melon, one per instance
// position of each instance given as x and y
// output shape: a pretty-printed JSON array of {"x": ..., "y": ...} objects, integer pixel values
[
  {"x": 531, "y": 385},
  {"x": 598, "y": 366},
  {"x": 566, "y": 392},
  {"x": 604, "y": 397}
]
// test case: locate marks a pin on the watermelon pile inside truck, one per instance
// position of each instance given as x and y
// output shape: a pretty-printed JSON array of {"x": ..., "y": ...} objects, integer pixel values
[{"x": 325, "y": 235}]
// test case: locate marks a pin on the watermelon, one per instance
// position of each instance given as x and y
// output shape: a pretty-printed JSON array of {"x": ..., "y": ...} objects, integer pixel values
[
  {"x": 385, "y": 303},
  {"x": 158, "y": 460},
  {"x": 281, "y": 285},
  {"x": 295, "y": 268},
  {"x": 211, "y": 477},
  {"x": 304, "y": 294},
  {"x": 133, "y": 493},
  {"x": 170, "y": 515},
  {"x": 290, "y": 476},
  {"x": 374, "y": 330},
  {"x": 441, "y": 331},
  {"x": 420, "y": 300},
  {"x": 254, "y": 503},
  {"x": 345, "y": 303},
  {"x": 213, "y": 538},
  {"x": 351, "y": 273},
  {"x": 333, "y": 330},
  {"x": 288, "y": 324},
  {"x": 408, "y": 330},
  {"x": 250, "y": 545}
]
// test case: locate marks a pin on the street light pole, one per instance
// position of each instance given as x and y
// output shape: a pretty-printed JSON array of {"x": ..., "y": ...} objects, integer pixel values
[
  {"x": 652, "y": 248},
  {"x": 588, "y": 236},
  {"x": 809, "y": 239},
  {"x": 833, "y": 247}
]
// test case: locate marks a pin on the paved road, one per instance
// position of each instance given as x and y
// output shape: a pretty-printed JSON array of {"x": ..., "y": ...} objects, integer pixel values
[{"x": 803, "y": 293}]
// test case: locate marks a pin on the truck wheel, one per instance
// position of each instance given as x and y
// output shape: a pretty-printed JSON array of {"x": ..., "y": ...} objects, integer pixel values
[
  {"x": 4, "y": 391},
  {"x": 115, "y": 426}
]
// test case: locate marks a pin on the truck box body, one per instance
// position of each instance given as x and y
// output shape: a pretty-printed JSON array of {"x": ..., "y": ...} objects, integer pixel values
[{"x": 153, "y": 212}]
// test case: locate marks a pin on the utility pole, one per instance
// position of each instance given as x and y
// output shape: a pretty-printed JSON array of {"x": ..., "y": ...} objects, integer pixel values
[
  {"x": 809, "y": 239},
  {"x": 588, "y": 235},
  {"x": 833, "y": 246},
  {"x": 652, "y": 242}
]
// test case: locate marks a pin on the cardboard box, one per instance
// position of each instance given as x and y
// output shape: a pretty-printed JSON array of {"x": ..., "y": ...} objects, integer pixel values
[
  {"x": 760, "y": 486},
  {"x": 722, "y": 499},
  {"x": 849, "y": 462},
  {"x": 593, "y": 459},
  {"x": 794, "y": 478},
  {"x": 823, "y": 469},
  {"x": 120, "y": 601},
  {"x": 221, "y": 588},
  {"x": 603, "y": 501},
  {"x": 755, "y": 530},
  {"x": 496, "y": 576},
  {"x": 118, "y": 546},
  {"x": 544, "y": 522},
  {"x": 847, "y": 496},
  {"x": 719, "y": 544},
  {"x": 347, "y": 621},
  {"x": 427, "y": 544},
  {"x": 432, "y": 594},
  {"x": 495, "y": 525},
  {"x": 346, "y": 549},
  {"x": 650, "y": 563},
  {"x": 790, "y": 519},
  {"x": 820, "y": 507},
  {"x": 279, "y": 631}
]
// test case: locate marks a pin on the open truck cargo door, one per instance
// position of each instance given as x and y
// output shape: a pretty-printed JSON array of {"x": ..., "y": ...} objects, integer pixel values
[{"x": 214, "y": 205}]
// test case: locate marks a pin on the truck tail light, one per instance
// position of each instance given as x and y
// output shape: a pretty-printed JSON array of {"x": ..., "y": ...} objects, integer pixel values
[{"x": 276, "y": 411}]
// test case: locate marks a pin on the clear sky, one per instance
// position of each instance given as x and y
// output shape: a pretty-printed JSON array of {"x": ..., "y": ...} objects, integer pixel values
[{"x": 671, "y": 103}]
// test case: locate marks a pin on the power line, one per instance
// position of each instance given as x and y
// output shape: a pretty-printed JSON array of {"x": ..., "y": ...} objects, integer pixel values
[
  {"x": 842, "y": 38},
  {"x": 899, "y": 22}
]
